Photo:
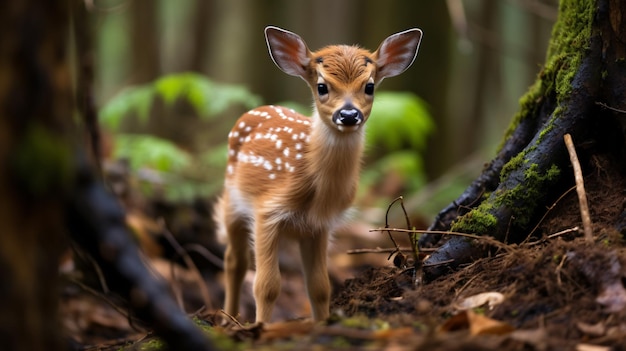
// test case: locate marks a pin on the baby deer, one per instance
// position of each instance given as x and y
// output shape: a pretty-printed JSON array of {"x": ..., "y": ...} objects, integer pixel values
[{"x": 294, "y": 177}]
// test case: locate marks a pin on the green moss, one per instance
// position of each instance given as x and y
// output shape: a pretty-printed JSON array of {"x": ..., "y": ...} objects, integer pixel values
[
  {"x": 42, "y": 161},
  {"x": 568, "y": 44},
  {"x": 477, "y": 221},
  {"x": 514, "y": 163},
  {"x": 152, "y": 345},
  {"x": 521, "y": 199},
  {"x": 221, "y": 340}
]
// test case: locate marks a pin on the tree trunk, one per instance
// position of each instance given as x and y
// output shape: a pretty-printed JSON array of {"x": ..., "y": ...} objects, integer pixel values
[
  {"x": 585, "y": 65},
  {"x": 35, "y": 100},
  {"x": 48, "y": 188}
]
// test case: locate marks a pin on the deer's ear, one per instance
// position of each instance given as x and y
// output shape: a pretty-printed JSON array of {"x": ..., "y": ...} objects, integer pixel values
[
  {"x": 288, "y": 51},
  {"x": 396, "y": 53}
]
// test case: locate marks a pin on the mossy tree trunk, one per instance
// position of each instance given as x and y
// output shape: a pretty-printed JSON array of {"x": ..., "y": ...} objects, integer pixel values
[
  {"x": 584, "y": 72},
  {"x": 48, "y": 188}
]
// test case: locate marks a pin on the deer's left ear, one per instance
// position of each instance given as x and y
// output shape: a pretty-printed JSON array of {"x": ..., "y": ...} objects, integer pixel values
[
  {"x": 396, "y": 53},
  {"x": 288, "y": 51}
]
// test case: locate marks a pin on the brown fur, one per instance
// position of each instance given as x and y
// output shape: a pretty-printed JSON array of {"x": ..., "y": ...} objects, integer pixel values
[{"x": 291, "y": 176}]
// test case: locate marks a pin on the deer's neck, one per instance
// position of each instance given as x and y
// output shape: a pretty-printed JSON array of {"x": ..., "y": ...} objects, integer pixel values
[{"x": 334, "y": 162}]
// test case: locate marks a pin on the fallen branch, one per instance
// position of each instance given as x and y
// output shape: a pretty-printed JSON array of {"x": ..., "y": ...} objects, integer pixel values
[{"x": 96, "y": 221}]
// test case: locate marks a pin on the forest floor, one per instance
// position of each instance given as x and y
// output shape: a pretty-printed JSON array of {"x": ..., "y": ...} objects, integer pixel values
[{"x": 555, "y": 291}]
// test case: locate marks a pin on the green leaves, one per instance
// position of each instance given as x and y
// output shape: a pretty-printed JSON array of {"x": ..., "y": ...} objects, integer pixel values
[
  {"x": 152, "y": 152},
  {"x": 399, "y": 120},
  {"x": 131, "y": 100},
  {"x": 178, "y": 174},
  {"x": 206, "y": 97},
  {"x": 397, "y": 132}
]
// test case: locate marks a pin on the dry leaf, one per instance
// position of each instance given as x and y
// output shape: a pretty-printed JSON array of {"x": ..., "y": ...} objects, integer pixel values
[
  {"x": 284, "y": 330},
  {"x": 589, "y": 347},
  {"x": 491, "y": 299},
  {"x": 481, "y": 325},
  {"x": 476, "y": 323}
]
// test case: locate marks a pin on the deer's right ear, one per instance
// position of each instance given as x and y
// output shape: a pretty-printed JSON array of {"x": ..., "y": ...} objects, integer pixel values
[{"x": 288, "y": 51}]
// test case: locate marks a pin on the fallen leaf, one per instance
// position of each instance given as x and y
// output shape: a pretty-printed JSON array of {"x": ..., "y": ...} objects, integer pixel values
[
  {"x": 284, "y": 330},
  {"x": 589, "y": 347},
  {"x": 491, "y": 299},
  {"x": 476, "y": 323},
  {"x": 481, "y": 325}
]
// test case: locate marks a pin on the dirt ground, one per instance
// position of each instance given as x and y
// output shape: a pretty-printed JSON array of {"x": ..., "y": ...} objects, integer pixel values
[{"x": 556, "y": 292}]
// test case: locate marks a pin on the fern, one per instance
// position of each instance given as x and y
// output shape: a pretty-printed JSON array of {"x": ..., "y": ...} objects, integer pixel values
[
  {"x": 144, "y": 150},
  {"x": 181, "y": 175},
  {"x": 206, "y": 97}
]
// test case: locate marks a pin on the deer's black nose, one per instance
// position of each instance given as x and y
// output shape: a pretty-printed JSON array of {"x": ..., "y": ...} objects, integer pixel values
[{"x": 348, "y": 116}]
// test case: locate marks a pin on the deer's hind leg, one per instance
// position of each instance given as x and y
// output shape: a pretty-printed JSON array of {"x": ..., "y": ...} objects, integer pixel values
[{"x": 236, "y": 258}]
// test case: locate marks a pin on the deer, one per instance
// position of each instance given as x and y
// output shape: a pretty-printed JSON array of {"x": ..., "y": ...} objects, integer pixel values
[{"x": 292, "y": 177}]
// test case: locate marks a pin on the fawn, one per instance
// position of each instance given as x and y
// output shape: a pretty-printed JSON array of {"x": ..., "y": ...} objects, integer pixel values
[{"x": 294, "y": 177}]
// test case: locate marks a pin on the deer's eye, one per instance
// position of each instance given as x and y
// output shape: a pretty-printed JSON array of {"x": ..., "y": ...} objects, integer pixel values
[
  {"x": 322, "y": 89},
  {"x": 369, "y": 88}
]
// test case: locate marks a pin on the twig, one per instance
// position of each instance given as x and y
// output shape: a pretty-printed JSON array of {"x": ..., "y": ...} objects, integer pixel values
[
  {"x": 488, "y": 239},
  {"x": 550, "y": 209},
  {"x": 205, "y": 253},
  {"x": 385, "y": 250},
  {"x": 558, "y": 270},
  {"x": 580, "y": 188},
  {"x": 387, "y": 222},
  {"x": 232, "y": 319},
  {"x": 204, "y": 291},
  {"x": 103, "y": 296},
  {"x": 562, "y": 232},
  {"x": 609, "y": 107},
  {"x": 552, "y": 236}
]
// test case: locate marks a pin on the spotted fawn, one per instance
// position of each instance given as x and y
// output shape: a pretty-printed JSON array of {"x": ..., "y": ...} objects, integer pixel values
[{"x": 294, "y": 177}]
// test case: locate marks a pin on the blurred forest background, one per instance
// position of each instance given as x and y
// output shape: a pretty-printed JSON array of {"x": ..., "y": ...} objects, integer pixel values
[{"x": 171, "y": 77}]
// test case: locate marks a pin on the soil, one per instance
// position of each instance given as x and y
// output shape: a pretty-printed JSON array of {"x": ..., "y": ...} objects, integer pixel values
[
  {"x": 552, "y": 283},
  {"x": 560, "y": 292}
]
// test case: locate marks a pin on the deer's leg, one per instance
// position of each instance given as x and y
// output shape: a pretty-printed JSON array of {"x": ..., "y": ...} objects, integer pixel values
[
  {"x": 235, "y": 261},
  {"x": 267, "y": 279},
  {"x": 313, "y": 249}
]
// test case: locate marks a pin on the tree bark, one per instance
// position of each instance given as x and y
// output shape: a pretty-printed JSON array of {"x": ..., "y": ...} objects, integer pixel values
[
  {"x": 35, "y": 100},
  {"x": 48, "y": 188},
  {"x": 585, "y": 64}
]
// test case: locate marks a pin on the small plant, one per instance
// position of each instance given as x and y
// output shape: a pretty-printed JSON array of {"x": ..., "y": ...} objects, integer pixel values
[{"x": 167, "y": 161}]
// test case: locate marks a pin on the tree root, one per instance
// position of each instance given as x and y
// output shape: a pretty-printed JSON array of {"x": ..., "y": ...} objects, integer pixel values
[{"x": 505, "y": 201}]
